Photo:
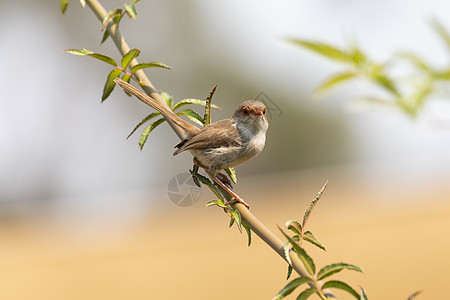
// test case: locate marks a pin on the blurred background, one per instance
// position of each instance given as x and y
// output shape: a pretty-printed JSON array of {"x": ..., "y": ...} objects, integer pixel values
[{"x": 85, "y": 215}]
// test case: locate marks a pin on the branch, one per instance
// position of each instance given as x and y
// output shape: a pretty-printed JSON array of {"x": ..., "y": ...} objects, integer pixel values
[{"x": 253, "y": 223}]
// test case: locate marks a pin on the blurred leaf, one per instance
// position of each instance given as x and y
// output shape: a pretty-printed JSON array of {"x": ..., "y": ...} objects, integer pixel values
[
  {"x": 306, "y": 293},
  {"x": 414, "y": 295},
  {"x": 335, "y": 268},
  {"x": 191, "y": 115},
  {"x": 249, "y": 233},
  {"x": 342, "y": 286},
  {"x": 110, "y": 84},
  {"x": 127, "y": 58},
  {"x": 145, "y": 120},
  {"x": 386, "y": 83},
  {"x": 105, "y": 36},
  {"x": 363, "y": 295},
  {"x": 358, "y": 57},
  {"x": 309, "y": 237},
  {"x": 313, "y": 203},
  {"x": 149, "y": 65},
  {"x": 64, "y": 4},
  {"x": 189, "y": 101},
  {"x": 110, "y": 15},
  {"x": 146, "y": 132},
  {"x": 441, "y": 31},
  {"x": 291, "y": 286},
  {"x": 232, "y": 173},
  {"x": 218, "y": 203},
  {"x": 83, "y": 3},
  {"x": 304, "y": 257},
  {"x": 168, "y": 98},
  {"x": 334, "y": 80},
  {"x": 416, "y": 60},
  {"x": 442, "y": 75},
  {"x": 294, "y": 226},
  {"x": 83, "y": 52},
  {"x": 323, "y": 49},
  {"x": 131, "y": 9}
]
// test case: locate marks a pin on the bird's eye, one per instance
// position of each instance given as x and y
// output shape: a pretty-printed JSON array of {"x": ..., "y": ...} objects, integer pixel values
[
  {"x": 264, "y": 111},
  {"x": 245, "y": 111}
]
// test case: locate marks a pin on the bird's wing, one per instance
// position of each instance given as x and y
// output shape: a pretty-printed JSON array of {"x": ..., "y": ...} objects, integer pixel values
[{"x": 215, "y": 135}]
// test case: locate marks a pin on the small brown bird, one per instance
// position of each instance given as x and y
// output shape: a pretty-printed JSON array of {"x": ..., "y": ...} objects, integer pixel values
[{"x": 219, "y": 145}]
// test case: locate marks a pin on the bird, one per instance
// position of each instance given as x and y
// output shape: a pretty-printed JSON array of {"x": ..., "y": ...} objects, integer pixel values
[{"x": 226, "y": 143}]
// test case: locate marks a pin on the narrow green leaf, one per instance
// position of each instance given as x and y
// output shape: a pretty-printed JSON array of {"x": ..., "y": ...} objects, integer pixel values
[
  {"x": 334, "y": 80},
  {"x": 414, "y": 295},
  {"x": 64, "y": 4},
  {"x": 207, "y": 116},
  {"x": 441, "y": 31},
  {"x": 191, "y": 115},
  {"x": 306, "y": 293},
  {"x": 127, "y": 58},
  {"x": 167, "y": 98},
  {"x": 309, "y": 237},
  {"x": 237, "y": 217},
  {"x": 110, "y": 84},
  {"x": 218, "y": 203},
  {"x": 313, "y": 203},
  {"x": 329, "y": 270},
  {"x": 249, "y": 233},
  {"x": 323, "y": 49},
  {"x": 231, "y": 222},
  {"x": 146, "y": 132},
  {"x": 387, "y": 83},
  {"x": 340, "y": 285},
  {"x": 131, "y": 9},
  {"x": 286, "y": 250},
  {"x": 289, "y": 272},
  {"x": 192, "y": 101},
  {"x": 232, "y": 173},
  {"x": 195, "y": 171},
  {"x": 363, "y": 295},
  {"x": 145, "y": 120},
  {"x": 149, "y": 65},
  {"x": 110, "y": 15},
  {"x": 414, "y": 59},
  {"x": 83, "y": 52},
  {"x": 207, "y": 182},
  {"x": 105, "y": 36},
  {"x": 302, "y": 255},
  {"x": 83, "y": 3},
  {"x": 294, "y": 226},
  {"x": 291, "y": 286},
  {"x": 126, "y": 78}
]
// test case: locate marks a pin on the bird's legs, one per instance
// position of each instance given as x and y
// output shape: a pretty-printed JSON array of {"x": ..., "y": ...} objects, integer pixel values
[{"x": 222, "y": 184}]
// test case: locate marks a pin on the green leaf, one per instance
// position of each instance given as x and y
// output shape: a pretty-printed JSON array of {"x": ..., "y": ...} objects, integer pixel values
[
  {"x": 105, "y": 36},
  {"x": 334, "y": 80},
  {"x": 195, "y": 171},
  {"x": 207, "y": 116},
  {"x": 342, "y": 286},
  {"x": 218, "y": 202},
  {"x": 232, "y": 173},
  {"x": 149, "y": 65},
  {"x": 313, "y": 203},
  {"x": 416, "y": 60},
  {"x": 110, "y": 84},
  {"x": 231, "y": 222},
  {"x": 291, "y": 286},
  {"x": 387, "y": 83},
  {"x": 146, "y": 132},
  {"x": 83, "y": 52},
  {"x": 127, "y": 58},
  {"x": 249, "y": 233},
  {"x": 64, "y": 4},
  {"x": 441, "y": 31},
  {"x": 289, "y": 272},
  {"x": 413, "y": 295},
  {"x": 323, "y": 49},
  {"x": 306, "y": 293},
  {"x": 363, "y": 295},
  {"x": 145, "y": 120},
  {"x": 131, "y": 9},
  {"x": 192, "y": 101},
  {"x": 191, "y": 115},
  {"x": 237, "y": 217},
  {"x": 206, "y": 181},
  {"x": 126, "y": 78},
  {"x": 294, "y": 226},
  {"x": 309, "y": 237},
  {"x": 110, "y": 15},
  {"x": 83, "y": 3},
  {"x": 302, "y": 255},
  {"x": 167, "y": 98},
  {"x": 334, "y": 268}
]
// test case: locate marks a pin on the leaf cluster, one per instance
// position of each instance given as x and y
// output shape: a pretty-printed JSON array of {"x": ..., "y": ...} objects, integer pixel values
[{"x": 409, "y": 94}]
